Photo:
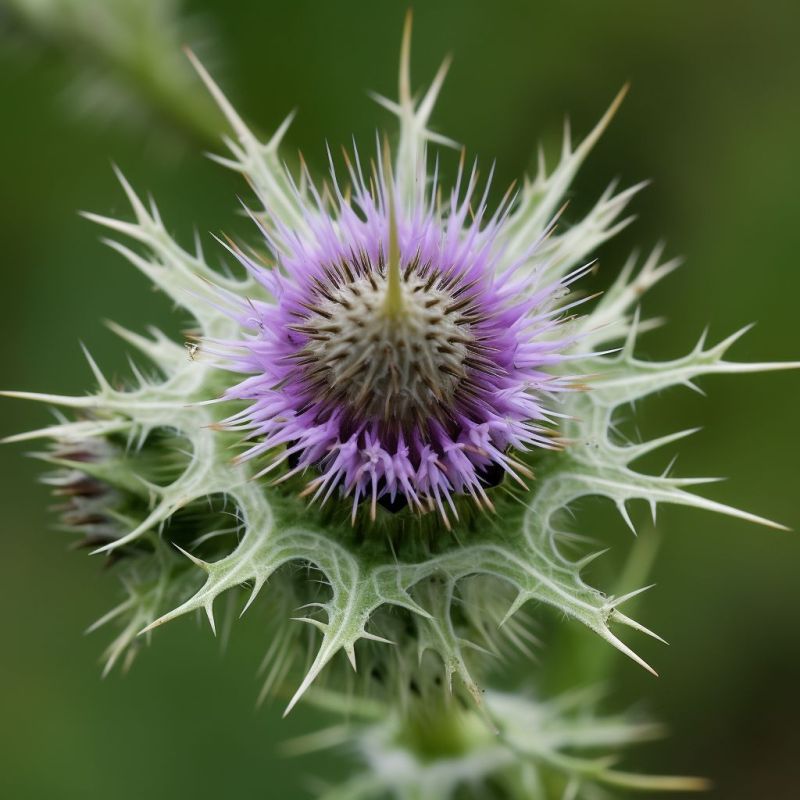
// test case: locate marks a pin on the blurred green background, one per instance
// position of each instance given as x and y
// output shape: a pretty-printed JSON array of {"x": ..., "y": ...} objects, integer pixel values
[{"x": 713, "y": 118}]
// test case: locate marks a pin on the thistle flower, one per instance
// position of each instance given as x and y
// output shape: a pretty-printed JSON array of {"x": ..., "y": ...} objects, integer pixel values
[
  {"x": 400, "y": 358},
  {"x": 396, "y": 349}
]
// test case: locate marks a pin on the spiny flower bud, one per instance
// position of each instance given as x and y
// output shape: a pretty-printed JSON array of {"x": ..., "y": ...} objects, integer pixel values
[{"x": 537, "y": 751}]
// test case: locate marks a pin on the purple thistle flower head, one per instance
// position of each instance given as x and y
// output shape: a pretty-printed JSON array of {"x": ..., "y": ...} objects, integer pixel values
[{"x": 397, "y": 361}]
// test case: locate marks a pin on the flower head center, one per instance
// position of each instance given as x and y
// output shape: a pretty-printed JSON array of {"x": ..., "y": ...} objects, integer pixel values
[{"x": 403, "y": 369}]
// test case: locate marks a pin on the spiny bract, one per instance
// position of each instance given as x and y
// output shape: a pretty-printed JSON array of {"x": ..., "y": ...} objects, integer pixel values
[{"x": 467, "y": 358}]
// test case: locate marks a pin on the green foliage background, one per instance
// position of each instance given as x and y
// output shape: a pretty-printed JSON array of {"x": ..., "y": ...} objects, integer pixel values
[{"x": 712, "y": 118}]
